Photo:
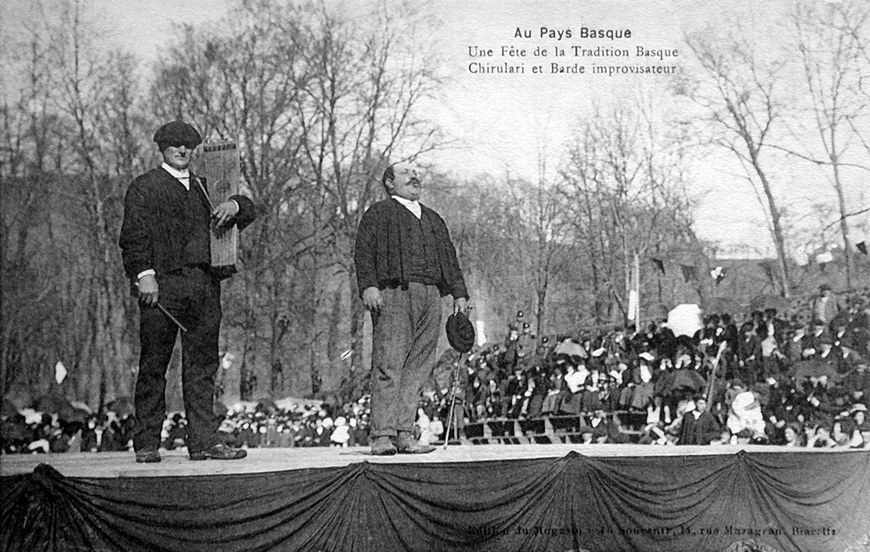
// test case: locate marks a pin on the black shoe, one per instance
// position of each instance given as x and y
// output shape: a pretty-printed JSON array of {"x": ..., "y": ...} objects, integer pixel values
[
  {"x": 406, "y": 444},
  {"x": 219, "y": 452},
  {"x": 383, "y": 446},
  {"x": 149, "y": 456}
]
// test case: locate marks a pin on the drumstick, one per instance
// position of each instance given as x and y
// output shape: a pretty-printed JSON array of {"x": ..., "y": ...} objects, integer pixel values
[{"x": 167, "y": 313}]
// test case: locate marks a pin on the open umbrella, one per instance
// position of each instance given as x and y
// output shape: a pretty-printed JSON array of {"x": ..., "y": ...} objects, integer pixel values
[
  {"x": 8, "y": 409},
  {"x": 72, "y": 414},
  {"x": 722, "y": 305},
  {"x": 121, "y": 406},
  {"x": 686, "y": 379},
  {"x": 570, "y": 348},
  {"x": 805, "y": 369},
  {"x": 52, "y": 403},
  {"x": 769, "y": 301},
  {"x": 19, "y": 396},
  {"x": 685, "y": 320},
  {"x": 679, "y": 379},
  {"x": 79, "y": 405}
]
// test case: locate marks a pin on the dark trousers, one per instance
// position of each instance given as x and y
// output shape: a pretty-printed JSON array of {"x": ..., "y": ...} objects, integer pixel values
[
  {"x": 193, "y": 297},
  {"x": 404, "y": 338}
]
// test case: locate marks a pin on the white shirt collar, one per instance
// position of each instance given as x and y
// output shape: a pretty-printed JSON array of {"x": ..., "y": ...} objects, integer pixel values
[
  {"x": 182, "y": 176},
  {"x": 413, "y": 206}
]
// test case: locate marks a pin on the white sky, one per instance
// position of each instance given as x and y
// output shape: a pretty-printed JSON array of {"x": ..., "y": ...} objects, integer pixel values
[{"x": 501, "y": 122}]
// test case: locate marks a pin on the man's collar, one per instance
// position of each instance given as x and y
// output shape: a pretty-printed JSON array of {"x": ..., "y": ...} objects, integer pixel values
[
  {"x": 406, "y": 202},
  {"x": 413, "y": 206},
  {"x": 185, "y": 173}
]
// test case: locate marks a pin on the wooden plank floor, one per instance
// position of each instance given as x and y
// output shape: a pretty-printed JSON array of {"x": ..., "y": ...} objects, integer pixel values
[{"x": 176, "y": 463}]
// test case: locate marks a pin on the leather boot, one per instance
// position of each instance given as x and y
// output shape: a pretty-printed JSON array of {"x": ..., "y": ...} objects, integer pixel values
[
  {"x": 383, "y": 446},
  {"x": 406, "y": 444}
]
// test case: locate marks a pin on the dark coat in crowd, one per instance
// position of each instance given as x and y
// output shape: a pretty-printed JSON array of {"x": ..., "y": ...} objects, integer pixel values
[{"x": 698, "y": 431}]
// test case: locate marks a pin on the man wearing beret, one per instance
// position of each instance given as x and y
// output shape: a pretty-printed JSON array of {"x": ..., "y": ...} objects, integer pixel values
[
  {"x": 405, "y": 262},
  {"x": 166, "y": 250}
]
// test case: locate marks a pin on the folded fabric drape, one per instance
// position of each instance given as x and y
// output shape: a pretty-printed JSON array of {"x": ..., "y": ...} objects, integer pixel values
[{"x": 790, "y": 501}]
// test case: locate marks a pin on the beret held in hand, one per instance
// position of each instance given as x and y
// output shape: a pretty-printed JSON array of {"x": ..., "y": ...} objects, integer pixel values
[{"x": 460, "y": 332}]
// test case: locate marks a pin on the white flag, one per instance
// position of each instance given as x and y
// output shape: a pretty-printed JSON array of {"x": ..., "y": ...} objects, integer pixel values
[{"x": 59, "y": 372}]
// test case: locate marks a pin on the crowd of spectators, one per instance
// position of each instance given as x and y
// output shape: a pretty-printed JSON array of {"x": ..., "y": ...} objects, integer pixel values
[
  {"x": 249, "y": 424},
  {"x": 797, "y": 379}
]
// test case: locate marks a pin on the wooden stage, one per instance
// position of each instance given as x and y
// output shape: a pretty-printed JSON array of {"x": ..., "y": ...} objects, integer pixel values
[{"x": 264, "y": 460}]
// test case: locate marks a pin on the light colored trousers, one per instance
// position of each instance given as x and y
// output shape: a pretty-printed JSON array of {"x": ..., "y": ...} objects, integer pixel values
[{"x": 404, "y": 337}]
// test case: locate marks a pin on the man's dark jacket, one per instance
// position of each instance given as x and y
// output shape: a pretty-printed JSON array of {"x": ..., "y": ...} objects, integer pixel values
[
  {"x": 155, "y": 227},
  {"x": 382, "y": 262},
  {"x": 700, "y": 431}
]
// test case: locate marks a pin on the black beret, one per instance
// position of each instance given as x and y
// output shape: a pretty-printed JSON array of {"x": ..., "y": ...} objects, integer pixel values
[
  {"x": 178, "y": 132},
  {"x": 460, "y": 332}
]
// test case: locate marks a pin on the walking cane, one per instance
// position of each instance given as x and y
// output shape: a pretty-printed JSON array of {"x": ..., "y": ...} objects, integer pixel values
[{"x": 456, "y": 373}]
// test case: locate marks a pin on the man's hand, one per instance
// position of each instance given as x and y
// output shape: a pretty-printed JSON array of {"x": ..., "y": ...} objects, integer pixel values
[
  {"x": 224, "y": 212},
  {"x": 460, "y": 305},
  {"x": 148, "y": 290},
  {"x": 372, "y": 299}
]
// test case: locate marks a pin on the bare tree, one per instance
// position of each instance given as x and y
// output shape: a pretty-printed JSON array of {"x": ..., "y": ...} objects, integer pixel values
[
  {"x": 240, "y": 81},
  {"x": 94, "y": 95},
  {"x": 65, "y": 178},
  {"x": 828, "y": 39},
  {"x": 319, "y": 102},
  {"x": 535, "y": 225},
  {"x": 741, "y": 94},
  {"x": 358, "y": 113},
  {"x": 481, "y": 212},
  {"x": 26, "y": 139},
  {"x": 624, "y": 185}
]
